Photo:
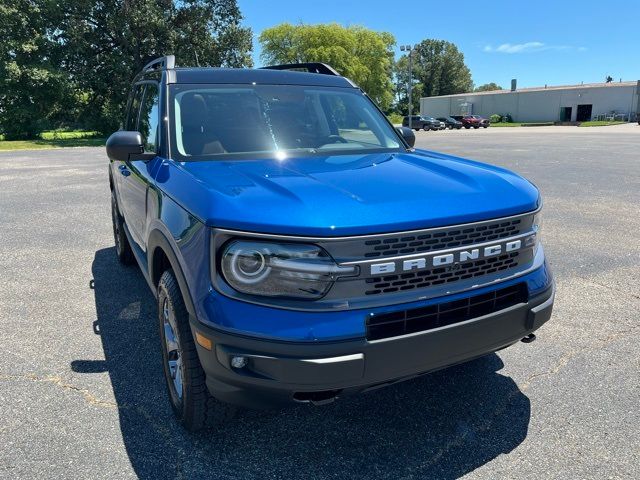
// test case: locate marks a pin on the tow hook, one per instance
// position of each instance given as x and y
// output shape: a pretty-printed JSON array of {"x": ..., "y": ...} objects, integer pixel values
[{"x": 529, "y": 338}]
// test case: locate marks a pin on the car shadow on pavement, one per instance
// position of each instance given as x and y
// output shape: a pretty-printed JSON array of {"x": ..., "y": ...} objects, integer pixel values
[{"x": 441, "y": 425}]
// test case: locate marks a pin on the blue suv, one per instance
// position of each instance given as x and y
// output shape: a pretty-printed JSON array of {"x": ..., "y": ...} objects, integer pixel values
[{"x": 301, "y": 249}]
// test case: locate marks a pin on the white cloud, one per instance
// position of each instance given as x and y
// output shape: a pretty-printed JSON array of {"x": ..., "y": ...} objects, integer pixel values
[{"x": 528, "y": 47}]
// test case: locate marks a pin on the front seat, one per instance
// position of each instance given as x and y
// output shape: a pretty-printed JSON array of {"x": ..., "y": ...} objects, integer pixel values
[{"x": 196, "y": 138}]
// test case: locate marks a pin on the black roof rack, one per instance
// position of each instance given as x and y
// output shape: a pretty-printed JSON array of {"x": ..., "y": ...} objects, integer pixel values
[
  {"x": 165, "y": 63},
  {"x": 312, "y": 67}
]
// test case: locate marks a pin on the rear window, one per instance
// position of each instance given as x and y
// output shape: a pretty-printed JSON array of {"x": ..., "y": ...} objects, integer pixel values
[{"x": 224, "y": 121}]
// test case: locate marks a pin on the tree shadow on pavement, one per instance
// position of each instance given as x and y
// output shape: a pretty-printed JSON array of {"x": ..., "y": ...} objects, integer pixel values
[{"x": 441, "y": 425}]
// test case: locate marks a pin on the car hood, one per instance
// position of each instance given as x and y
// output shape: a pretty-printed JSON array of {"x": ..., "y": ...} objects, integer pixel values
[{"x": 346, "y": 194}]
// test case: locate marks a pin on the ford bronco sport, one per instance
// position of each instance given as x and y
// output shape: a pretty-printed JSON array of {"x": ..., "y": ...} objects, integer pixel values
[{"x": 301, "y": 249}]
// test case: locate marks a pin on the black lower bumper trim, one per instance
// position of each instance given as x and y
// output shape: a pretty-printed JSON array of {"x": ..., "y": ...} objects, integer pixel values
[{"x": 272, "y": 372}]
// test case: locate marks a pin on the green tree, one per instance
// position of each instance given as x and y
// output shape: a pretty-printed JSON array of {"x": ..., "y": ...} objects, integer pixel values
[
  {"x": 33, "y": 90},
  {"x": 107, "y": 43},
  {"x": 363, "y": 55},
  {"x": 488, "y": 87},
  {"x": 439, "y": 66},
  {"x": 73, "y": 62}
]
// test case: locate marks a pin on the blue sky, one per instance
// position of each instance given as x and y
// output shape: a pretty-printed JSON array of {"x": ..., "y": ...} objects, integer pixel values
[{"x": 541, "y": 42}]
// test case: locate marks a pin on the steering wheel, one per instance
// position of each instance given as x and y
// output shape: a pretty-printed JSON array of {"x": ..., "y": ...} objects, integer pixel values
[{"x": 336, "y": 139}]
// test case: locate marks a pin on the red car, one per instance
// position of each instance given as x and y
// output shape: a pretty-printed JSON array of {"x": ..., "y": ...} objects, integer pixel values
[{"x": 475, "y": 121}]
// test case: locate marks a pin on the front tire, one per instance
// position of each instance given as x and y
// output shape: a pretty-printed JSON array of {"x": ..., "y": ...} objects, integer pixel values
[
  {"x": 123, "y": 248},
  {"x": 193, "y": 405},
  {"x": 426, "y": 128}
]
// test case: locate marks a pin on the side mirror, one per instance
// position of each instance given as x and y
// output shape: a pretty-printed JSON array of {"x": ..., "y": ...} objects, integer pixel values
[
  {"x": 121, "y": 144},
  {"x": 407, "y": 134}
]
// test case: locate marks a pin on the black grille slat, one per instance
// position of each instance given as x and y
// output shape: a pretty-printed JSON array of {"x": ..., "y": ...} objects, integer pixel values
[
  {"x": 402, "y": 322},
  {"x": 440, "y": 240}
]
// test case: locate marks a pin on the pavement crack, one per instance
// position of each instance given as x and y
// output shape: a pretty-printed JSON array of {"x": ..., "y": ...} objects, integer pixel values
[
  {"x": 566, "y": 358},
  {"x": 160, "y": 427},
  {"x": 486, "y": 424},
  {"x": 474, "y": 429},
  {"x": 60, "y": 382},
  {"x": 609, "y": 287}
]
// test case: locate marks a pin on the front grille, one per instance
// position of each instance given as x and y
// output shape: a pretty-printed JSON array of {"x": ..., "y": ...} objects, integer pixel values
[
  {"x": 441, "y": 275},
  {"x": 393, "y": 324},
  {"x": 455, "y": 237}
]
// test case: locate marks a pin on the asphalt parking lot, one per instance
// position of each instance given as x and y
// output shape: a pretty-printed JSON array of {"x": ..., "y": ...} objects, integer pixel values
[{"x": 81, "y": 387}]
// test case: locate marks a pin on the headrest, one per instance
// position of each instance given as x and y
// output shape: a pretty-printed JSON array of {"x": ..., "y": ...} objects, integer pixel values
[{"x": 193, "y": 111}]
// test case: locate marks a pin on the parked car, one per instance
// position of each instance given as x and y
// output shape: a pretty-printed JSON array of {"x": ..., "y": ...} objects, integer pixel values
[
  {"x": 451, "y": 123},
  {"x": 419, "y": 122},
  {"x": 475, "y": 121},
  {"x": 437, "y": 123},
  {"x": 301, "y": 250}
]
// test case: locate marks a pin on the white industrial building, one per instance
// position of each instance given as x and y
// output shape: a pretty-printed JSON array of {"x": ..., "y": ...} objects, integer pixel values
[{"x": 570, "y": 103}]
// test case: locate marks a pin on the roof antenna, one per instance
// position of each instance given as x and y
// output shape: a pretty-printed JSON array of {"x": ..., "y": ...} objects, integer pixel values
[{"x": 196, "y": 54}]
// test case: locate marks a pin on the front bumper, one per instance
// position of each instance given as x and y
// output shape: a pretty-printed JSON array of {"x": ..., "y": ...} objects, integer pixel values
[{"x": 284, "y": 372}]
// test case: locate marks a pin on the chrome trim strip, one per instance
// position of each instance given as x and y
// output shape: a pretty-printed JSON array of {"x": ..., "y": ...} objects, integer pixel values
[
  {"x": 344, "y": 358},
  {"x": 373, "y": 235},
  {"x": 303, "y": 267}
]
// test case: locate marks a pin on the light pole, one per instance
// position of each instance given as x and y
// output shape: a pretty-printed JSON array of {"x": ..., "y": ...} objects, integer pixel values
[{"x": 409, "y": 50}]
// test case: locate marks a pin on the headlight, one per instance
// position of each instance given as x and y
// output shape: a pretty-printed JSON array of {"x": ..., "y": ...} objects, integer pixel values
[
  {"x": 537, "y": 227},
  {"x": 537, "y": 221},
  {"x": 280, "y": 269}
]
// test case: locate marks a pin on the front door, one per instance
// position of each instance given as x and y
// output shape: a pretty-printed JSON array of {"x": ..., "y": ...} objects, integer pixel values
[
  {"x": 138, "y": 174},
  {"x": 565, "y": 114}
]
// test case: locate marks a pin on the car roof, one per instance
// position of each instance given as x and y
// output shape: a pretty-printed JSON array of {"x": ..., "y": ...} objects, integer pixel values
[{"x": 258, "y": 76}]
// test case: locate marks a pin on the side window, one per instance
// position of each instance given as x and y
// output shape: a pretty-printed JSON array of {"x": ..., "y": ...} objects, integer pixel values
[
  {"x": 132, "y": 115},
  {"x": 148, "y": 124}
]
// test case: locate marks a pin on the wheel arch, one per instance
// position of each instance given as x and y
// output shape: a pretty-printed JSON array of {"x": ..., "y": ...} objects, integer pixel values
[{"x": 161, "y": 256}]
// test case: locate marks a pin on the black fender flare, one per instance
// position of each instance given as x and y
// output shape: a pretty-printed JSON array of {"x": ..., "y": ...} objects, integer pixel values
[{"x": 158, "y": 240}]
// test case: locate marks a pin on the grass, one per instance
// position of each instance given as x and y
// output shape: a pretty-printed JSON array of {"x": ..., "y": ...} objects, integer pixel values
[
  {"x": 55, "y": 139},
  {"x": 523, "y": 124},
  {"x": 600, "y": 123},
  {"x": 69, "y": 134},
  {"x": 505, "y": 124},
  {"x": 595, "y": 123}
]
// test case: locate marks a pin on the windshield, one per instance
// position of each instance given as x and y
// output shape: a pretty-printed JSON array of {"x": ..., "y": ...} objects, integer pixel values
[{"x": 230, "y": 121}]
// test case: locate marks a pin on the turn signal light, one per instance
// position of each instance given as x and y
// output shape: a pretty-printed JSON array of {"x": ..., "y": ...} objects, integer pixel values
[{"x": 203, "y": 341}]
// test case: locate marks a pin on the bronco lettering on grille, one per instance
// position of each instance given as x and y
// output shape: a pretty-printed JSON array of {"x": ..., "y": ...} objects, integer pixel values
[{"x": 430, "y": 261}]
